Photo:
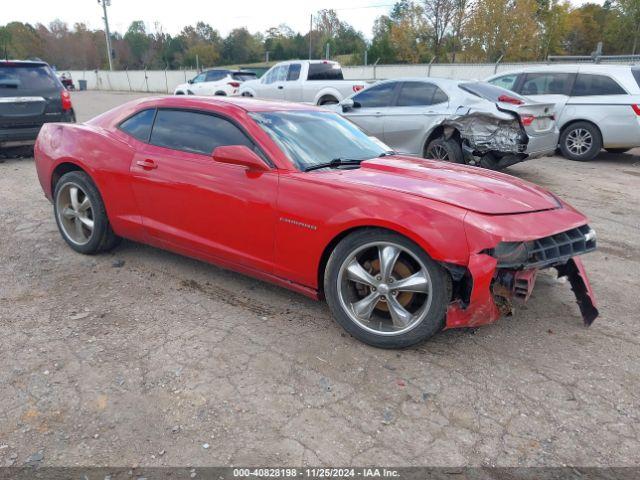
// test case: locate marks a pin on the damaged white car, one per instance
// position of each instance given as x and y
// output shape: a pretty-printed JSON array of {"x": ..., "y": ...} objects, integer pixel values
[{"x": 458, "y": 121}]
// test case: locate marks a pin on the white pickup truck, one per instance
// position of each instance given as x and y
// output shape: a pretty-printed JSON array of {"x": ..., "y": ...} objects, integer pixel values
[{"x": 319, "y": 82}]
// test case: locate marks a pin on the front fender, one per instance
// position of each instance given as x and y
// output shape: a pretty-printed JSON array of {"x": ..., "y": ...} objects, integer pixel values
[{"x": 312, "y": 215}]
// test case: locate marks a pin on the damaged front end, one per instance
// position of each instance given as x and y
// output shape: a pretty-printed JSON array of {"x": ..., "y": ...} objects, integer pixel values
[
  {"x": 492, "y": 139},
  {"x": 498, "y": 278}
]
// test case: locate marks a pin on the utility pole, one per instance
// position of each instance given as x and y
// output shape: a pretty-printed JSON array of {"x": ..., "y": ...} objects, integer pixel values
[
  {"x": 310, "y": 30},
  {"x": 105, "y": 4}
]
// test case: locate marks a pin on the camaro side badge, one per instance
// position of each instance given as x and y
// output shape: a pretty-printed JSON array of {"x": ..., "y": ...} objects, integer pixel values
[{"x": 298, "y": 224}]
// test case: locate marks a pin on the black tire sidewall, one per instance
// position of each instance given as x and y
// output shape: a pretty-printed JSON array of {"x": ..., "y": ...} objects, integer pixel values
[
  {"x": 452, "y": 146},
  {"x": 101, "y": 227},
  {"x": 430, "y": 325},
  {"x": 595, "y": 147}
]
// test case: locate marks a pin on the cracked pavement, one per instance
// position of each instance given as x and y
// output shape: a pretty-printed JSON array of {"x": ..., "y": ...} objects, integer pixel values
[{"x": 144, "y": 362}]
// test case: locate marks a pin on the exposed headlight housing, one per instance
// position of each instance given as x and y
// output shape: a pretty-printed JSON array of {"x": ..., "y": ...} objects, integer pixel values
[{"x": 512, "y": 253}]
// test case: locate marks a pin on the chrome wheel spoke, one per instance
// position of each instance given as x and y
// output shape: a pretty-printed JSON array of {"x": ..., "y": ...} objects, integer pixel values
[
  {"x": 357, "y": 273},
  {"x": 364, "y": 308},
  {"x": 69, "y": 213},
  {"x": 78, "y": 228},
  {"x": 85, "y": 204},
  {"x": 415, "y": 283},
  {"x": 73, "y": 195},
  {"x": 401, "y": 318},
  {"x": 87, "y": 222},
  {"x": 388, "y": 256}
]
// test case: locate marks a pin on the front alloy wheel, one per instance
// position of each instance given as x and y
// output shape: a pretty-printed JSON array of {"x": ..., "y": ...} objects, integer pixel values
[{"x": 385, "y": 290}]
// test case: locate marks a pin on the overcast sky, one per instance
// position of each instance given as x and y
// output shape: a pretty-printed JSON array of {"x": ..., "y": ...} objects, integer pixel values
[{"x": 223, "y": 15}]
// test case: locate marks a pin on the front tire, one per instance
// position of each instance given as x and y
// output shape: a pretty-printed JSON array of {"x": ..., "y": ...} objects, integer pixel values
[
  {"x": 385, "y": 290},
  {"x": 81, "y": 215},
  {"x": 447, "y": 150},
  {"x": 580, "y": 141}
]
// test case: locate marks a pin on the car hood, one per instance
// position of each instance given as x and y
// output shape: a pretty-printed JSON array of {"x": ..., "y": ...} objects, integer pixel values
[{"x": 471, "y": 188}]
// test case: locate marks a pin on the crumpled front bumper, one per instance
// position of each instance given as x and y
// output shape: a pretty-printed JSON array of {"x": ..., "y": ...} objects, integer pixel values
[
  {"x": 491, "y": 289},
  {"x": 494, "y": 289}
]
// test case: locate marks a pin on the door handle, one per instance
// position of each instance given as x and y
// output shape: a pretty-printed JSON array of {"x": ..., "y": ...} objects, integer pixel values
[
  {"x": 280, "y": 87},
  {"x": 147, "y": 164}
]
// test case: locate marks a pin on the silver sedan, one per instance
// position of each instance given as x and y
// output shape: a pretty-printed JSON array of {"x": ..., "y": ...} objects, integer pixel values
[{"x": 459, "y": 121}]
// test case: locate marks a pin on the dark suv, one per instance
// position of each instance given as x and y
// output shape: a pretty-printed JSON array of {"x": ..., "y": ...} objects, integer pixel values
[{"x": 30, "y": 95}]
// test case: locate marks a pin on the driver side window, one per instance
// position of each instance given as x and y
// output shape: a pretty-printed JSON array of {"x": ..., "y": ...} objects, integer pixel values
[{"x": 376, "y": 96}]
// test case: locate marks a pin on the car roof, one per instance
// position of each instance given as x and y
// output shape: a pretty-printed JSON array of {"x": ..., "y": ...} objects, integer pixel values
[
  {"x": 26, "y": 63},
  {"x": 569, "y": 68},
  {"x": 440, "y": 81},
  {"x": 231, "y": 103}
]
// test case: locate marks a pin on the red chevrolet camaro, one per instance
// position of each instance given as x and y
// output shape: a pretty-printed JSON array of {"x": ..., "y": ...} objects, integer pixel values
[{"x": 399, "y": 246}]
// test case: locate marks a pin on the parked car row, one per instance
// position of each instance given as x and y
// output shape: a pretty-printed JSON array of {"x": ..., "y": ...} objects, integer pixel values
[{"x": 578, "y": 109}]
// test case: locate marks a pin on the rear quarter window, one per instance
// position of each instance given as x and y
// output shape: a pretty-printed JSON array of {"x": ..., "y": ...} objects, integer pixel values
[
  {"x": 325, "y": 71},
  {"x": 587, "y": 85},
  {"x": 506, "y": 81},
  {"x": 139, "y": 125}
]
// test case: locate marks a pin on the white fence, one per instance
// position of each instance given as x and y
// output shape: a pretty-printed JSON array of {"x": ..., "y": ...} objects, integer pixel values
[{"x": 165, "y": 81}]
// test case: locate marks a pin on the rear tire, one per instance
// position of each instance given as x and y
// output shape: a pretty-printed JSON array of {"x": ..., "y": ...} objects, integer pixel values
[
  {"x": 444, "y": 150},
  {"x": 617, "y": 150},
  {"x": 81, "y": 216},
  {"x": 386, "y": 312},
  {"x": 580, "y": 141}
]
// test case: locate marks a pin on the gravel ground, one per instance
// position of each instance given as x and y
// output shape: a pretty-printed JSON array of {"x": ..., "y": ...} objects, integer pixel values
[{"x": 143, "y": 357}]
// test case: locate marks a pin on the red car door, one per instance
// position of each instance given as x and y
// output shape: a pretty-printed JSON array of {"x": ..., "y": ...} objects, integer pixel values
[{"x": 193, "y": 204}]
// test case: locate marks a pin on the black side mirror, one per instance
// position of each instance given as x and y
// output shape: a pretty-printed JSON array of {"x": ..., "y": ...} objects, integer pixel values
[
  {"x": 347, "y": 104},
  {"x": 190, "y": 82}
]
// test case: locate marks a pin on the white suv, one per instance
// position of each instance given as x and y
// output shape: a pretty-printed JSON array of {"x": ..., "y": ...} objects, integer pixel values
[
  {"x": 215, "y": 82},
  {"x": 597, "y": 106}
]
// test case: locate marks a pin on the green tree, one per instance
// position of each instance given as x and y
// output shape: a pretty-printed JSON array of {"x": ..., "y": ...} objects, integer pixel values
[{"x": 138, "y": 42}]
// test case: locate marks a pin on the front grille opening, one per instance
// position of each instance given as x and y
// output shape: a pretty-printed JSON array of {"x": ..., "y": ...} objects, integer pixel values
[{"x": 555, "y": 249}]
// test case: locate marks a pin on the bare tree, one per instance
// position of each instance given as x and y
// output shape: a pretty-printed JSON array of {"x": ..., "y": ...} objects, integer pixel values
[
  {"x": 459, "y": 18},
  {"x": 439, "y": 15}
]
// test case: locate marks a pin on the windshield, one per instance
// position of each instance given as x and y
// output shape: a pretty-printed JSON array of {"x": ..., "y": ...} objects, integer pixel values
[
  {"x": 27, "y": 77},
  {"x": 313, "y": 138}
]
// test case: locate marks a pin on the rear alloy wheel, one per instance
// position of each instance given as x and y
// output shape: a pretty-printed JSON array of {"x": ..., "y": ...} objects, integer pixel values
[
  {"x": 81, "y": 216},
  {"x": 580, "y": 141},
  {"x": 385, "y": 290},
  {"x": 444, "y": 150}
]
